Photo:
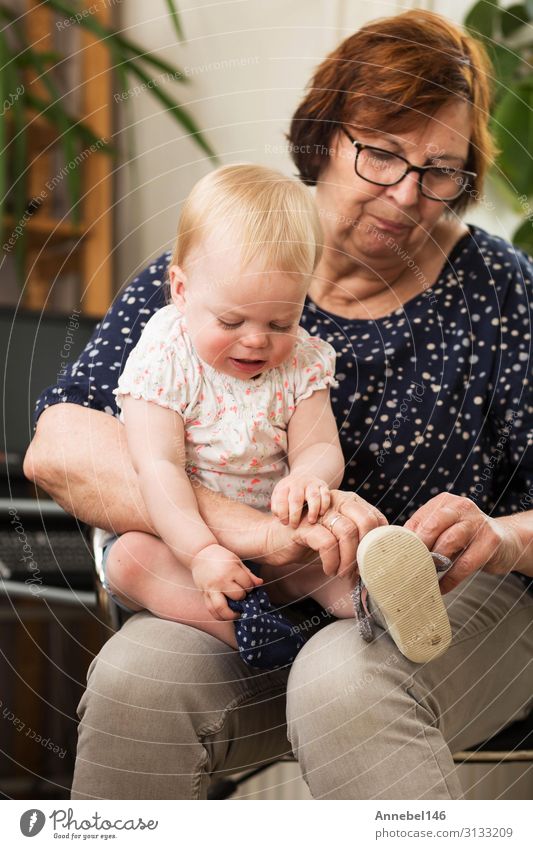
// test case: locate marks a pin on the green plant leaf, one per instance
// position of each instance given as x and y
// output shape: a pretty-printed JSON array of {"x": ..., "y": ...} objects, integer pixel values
[
  {"x": 181, "y": 115},
  {"x": 18, "y": 159},
  {"x": 47, "y": 56},
  {"x": 128, "y": 47},
  {"x": 483, "y": 19},
  {"x": 57, "y": 112},
  {"x": 78, "y": 128},
  {"x": 25, "y": 56},
  {"x": 529, "y": 9},
  {"x": 127, "y": 54},
  {"x": 513, "y": 129},
  {"x": 175, "y": 19},
  {"x": 523, "y": 237},
  {"x": 129, "y": 58},
  {"x": 506, "y": 62},
  {"x": 67, "y": 138},
  {"x": 503, "y": 189},
  {"x": 513, "y": 18}
]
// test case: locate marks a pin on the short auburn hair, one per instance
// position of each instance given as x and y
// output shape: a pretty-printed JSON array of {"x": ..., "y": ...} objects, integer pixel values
[{"x": 391, "y": 75}]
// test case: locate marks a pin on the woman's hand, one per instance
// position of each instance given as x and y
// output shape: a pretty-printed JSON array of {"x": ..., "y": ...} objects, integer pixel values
[
  {"x": 454, "y": 526},
  {"x": 348, "y": 519},
  {"x": 218, "y": 573},
  {"x": 334, "y": 538}
]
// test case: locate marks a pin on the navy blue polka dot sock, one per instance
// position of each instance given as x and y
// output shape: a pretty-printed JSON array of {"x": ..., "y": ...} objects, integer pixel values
[{"x": 265, "y": 639}]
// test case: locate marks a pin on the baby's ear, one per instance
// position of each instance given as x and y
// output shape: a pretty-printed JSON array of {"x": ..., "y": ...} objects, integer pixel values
[{"x": 177, "y": 286}]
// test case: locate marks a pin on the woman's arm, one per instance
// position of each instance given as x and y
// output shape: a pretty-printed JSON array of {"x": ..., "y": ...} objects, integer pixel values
[{"x": 80, "y": 457}]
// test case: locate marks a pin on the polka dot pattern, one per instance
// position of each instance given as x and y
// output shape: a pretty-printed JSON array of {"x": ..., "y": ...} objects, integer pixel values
[
  {"x": 433, "y": 397},
  {"x": 265, "y": 638}
]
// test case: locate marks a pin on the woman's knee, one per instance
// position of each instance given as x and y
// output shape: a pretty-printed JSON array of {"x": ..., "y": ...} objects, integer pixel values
[
  {"x": 338, "y": 680},
  {"x": 144, "y": 712},
  {"x": 165, "y": 667}
]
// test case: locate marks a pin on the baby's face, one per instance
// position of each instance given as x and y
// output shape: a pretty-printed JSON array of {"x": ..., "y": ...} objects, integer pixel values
[{"x": 241, "y": 321}]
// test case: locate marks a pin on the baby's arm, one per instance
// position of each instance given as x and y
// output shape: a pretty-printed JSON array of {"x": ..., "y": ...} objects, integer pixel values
[
  {"x": 315, "y": 459},
  {"x": 155, "y": 437}
]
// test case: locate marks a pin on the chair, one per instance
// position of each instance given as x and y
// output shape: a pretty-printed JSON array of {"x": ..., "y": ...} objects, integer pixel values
[
  {"x": 514, "y": 744},
  {"x": 112, "y": 614}
]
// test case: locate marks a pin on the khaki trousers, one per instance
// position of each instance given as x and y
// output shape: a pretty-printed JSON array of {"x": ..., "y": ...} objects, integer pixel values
[{"x": 167, "y": 708}]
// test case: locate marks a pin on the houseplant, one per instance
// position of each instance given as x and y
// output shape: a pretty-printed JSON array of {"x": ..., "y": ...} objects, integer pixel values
[
  {"x": 507, "y": 33},
  {"x": 130, "y": 61}
]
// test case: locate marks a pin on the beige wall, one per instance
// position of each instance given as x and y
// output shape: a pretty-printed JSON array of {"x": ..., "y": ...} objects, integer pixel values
[{"x": 247, "y": 62}]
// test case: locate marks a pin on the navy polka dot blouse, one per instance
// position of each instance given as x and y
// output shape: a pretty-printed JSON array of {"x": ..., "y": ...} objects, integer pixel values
[{"x": 434, "y": 397}]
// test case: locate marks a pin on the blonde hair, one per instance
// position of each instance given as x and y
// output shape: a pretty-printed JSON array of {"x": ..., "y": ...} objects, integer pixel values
[{"x": 270, "y": 216}]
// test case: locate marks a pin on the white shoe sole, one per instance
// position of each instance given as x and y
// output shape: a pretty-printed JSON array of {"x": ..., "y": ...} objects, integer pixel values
[{"x": 402, "y": 582}]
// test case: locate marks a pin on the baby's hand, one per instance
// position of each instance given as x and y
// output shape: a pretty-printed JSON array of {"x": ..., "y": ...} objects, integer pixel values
[
  {"x": 290, "y": 494},
  {"x": 218, "y": 573}
]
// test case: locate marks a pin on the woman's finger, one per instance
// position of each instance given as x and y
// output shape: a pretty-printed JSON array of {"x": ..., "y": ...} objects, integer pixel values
[
  {"x": 347, "y": 535},
  {"x": 472, "y": 546},
  {"x": 364, "y": 515},
  {"x": 454, "y": 539},
  {"x": 465, "y": 565},
  {"x": 437, "y": 515},
  {"x": 435, "y": 524},
  {"x": 319, "y": 539}
]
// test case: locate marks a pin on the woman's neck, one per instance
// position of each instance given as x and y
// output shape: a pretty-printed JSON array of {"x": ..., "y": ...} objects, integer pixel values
[
  {"x": 356, "y": 290},
  {"x": 357, "y": 287}
]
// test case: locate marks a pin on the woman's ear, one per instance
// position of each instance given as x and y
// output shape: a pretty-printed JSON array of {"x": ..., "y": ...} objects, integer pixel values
[{"x": 178, "y": 282}]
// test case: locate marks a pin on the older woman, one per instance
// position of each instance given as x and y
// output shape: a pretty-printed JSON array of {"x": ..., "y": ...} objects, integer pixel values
[{"x": 430, "y": 319}]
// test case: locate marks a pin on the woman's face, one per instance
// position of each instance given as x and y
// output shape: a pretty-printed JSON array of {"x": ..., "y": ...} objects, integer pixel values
[{"x": 370, "y": 222}]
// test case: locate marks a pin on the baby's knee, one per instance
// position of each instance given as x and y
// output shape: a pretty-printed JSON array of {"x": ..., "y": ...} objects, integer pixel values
[{"x": 129, "y": 558}]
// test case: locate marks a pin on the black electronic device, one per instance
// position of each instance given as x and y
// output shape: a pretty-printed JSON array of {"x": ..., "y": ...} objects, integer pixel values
[
  {"x": 40, "y": 544},
  {"x": 36, "y": 351}
]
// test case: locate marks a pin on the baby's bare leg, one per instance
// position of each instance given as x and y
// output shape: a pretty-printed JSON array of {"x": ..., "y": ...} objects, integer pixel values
[
  {"x": 293, "y": 583},
  {"x": 143, "y": 572}
]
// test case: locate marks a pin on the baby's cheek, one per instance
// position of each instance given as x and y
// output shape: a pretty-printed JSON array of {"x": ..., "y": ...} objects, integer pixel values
[
  {"x": 284, "y": 348},
  {"x": 212, "y": 346}
]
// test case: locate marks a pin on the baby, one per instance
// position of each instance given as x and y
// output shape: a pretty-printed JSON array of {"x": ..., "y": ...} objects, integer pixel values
[{"x": 225, "y": 390}]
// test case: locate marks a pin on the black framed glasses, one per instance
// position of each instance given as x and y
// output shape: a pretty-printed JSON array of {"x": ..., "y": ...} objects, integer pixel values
[{"x": 384, "y": 168}]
